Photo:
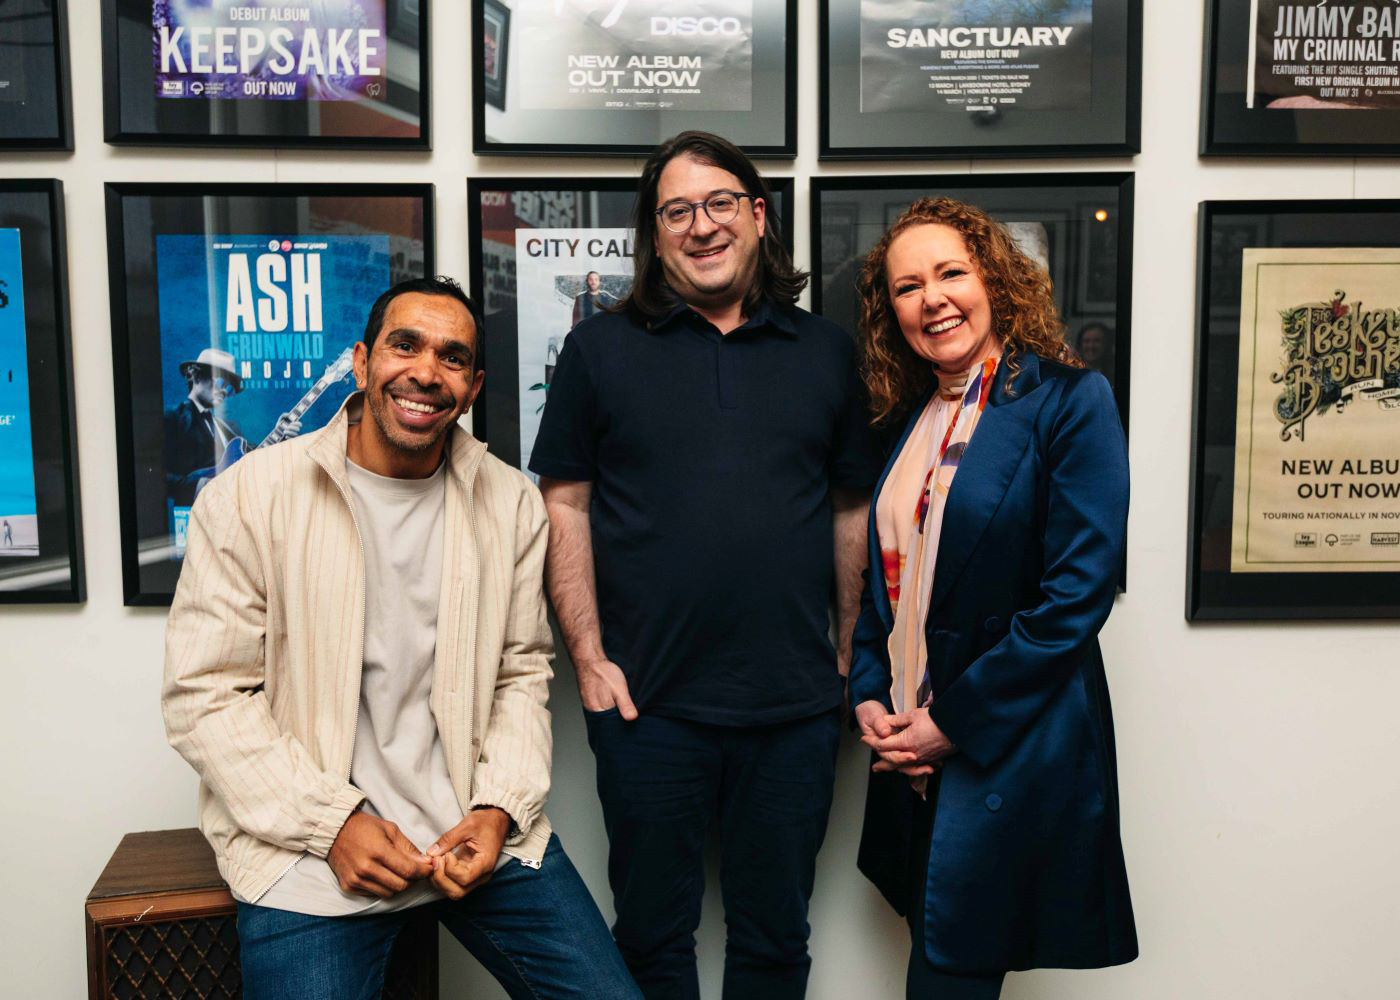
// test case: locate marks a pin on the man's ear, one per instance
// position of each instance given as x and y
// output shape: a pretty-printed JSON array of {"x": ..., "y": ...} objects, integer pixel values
[{"x": 361, "y": 364}]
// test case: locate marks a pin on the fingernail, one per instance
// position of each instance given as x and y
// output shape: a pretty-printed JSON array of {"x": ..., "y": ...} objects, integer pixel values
[{"x": 434, "y": 851}]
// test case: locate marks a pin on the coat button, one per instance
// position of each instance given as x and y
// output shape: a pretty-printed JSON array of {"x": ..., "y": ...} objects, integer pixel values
[
  {"x": 993, "y": 802},
  {"x": 992, "y": 624}
]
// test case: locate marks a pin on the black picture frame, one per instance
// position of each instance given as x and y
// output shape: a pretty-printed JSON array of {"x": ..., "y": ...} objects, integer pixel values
[
  {"x": 1215, "y": 591},
  {"x": 32, "y": 234},
  {"x": 768, "y": 129},
  {"x": 1237, "y": 121},
  {"x": 36, "y": 106},
  {"x": 171, "y": 244},
  {"x": 1050, "y": 213},
  {"x": 501, "y": 206},
  {"x": 1109, "y": 124},
  {"x": 392, "y": 114}
]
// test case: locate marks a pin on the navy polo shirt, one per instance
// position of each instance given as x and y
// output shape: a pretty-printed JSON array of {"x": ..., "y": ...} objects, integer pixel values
[{"x": 712, "y": 459}]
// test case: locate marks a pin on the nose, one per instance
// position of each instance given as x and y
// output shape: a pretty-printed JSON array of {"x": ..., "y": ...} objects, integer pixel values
[
  {"x": 703, "y": 226},
  {"x": 933, "y": 297},
  {"x": 424, "y": 369}
]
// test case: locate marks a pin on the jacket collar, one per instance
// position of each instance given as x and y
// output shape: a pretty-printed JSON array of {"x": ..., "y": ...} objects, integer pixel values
[{"x": 464, "y": 452}]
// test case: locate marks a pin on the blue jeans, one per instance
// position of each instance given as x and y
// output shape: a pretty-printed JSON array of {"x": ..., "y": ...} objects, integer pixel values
[
  {"x": 537, "y": 931},
  {"x": 664, "y": 783}
]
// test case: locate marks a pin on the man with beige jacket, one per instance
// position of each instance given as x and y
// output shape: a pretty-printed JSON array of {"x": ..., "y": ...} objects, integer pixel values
[{"x": 357, "y": 664}]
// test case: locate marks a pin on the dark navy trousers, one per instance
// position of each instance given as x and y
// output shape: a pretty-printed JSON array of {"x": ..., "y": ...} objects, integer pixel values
[{"x": 665, "y": 784}]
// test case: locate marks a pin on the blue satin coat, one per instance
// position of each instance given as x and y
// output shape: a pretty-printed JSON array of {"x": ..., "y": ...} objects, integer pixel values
[{"x": 1026, "y": 868}]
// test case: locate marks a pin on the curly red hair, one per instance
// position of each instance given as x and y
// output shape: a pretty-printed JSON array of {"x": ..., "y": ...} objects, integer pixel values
[{"x": 1018, "y": 290}]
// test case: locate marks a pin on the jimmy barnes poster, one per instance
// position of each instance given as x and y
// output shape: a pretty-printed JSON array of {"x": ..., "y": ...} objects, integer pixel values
[
  {"x": 254, "y": 330},
  {"x": 563, "y": 276},
  {"x": 635, "y": 55},
  {"x": 1338, "y": 54},
  {"x": 279, "y": 50},
  {"x": 19, "y": 522},
  {"x": 1317, "y": 443},
  {"x": 975, "y": 55}
]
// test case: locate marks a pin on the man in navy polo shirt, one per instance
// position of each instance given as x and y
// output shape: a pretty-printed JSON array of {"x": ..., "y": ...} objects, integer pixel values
[{"x": 706, "y": 465}]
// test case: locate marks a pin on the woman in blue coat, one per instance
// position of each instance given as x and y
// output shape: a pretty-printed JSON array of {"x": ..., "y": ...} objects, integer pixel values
[{"x": 996, "y": 542}]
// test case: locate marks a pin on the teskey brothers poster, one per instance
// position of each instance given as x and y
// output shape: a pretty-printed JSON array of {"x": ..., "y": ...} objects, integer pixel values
[{"x": 1317, "y": 447}]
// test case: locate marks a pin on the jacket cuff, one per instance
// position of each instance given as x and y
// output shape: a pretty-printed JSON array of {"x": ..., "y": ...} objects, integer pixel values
[
  {"x": 334, "y": 817},
  {"x": 522, "y": 816}
]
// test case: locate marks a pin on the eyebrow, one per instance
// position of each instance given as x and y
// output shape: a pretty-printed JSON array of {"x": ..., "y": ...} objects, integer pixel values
[
  {"x": 449, "y": 347},
  {"x": 937, "y": 267},
  {"x": 711, "y": 194}
]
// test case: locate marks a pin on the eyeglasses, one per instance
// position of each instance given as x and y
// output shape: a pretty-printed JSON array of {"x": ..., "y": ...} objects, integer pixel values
[{"x": 722, "y": 207}]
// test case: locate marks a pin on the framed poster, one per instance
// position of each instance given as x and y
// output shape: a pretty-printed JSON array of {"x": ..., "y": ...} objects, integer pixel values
[
  {"x": 616, "y": 77},
  {"x": 547, "y": 253},
  {"x": 271, "y": 73},
  {"x": 1078, "y": 226},
  {"x": 36, "y": 110},
  {"x": 1285, "y": 78},
  {"x": 1295, "y": 475},
  {"x": 957, "y": 79},
  {"x": 234, "y": 311},
  {"x": 41, "y": 538}
]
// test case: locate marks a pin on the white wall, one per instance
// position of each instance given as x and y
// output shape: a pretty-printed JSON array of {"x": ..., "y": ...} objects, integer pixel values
[{"x": 1261, "y": 815}]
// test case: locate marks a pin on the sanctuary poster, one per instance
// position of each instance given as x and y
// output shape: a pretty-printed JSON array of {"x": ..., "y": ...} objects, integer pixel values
[
  {"x": 635, "y": 55},
  {"x": 960, "y": 56},
  {"x": 19, "y": 521},
  {"x": 269, "y": 50},
  {"x": 252, "y": 328},
  {"x": 1317, "y": 443},
  {"x": 563, "y": 276},
  {"x": 1337, "y": 54}
]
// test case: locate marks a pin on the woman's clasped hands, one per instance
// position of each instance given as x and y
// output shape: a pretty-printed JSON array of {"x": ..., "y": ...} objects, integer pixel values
[{"x": 908, "y": 742}]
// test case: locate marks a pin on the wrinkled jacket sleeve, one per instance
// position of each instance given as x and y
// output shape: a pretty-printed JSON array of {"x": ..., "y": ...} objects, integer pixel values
[
  {"x": 512, "y": 769},
  {"x": 216, "y": 711},
  {"x": 870, "y": 661},
  {"x": 991, "y": 705}
]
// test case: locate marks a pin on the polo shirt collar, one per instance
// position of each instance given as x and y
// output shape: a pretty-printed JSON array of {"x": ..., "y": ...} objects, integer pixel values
[{"x": 766, "y": 314}]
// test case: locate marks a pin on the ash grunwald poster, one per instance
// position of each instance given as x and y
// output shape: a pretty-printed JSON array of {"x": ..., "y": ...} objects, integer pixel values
[
  {"x": 256, "y": 334},
  {"x": 1317, "y": 440},
  {"x": 635, "y": 55},
  {"x": 19, "y": 521},
  {"x": 964, "y": 56},
  {"x": 269, "y": 50},
  {"x": 1336, "y": 54}
]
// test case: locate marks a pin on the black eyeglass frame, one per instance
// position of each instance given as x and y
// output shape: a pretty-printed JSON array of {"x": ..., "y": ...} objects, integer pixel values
[{"x": 705, "y": 204}]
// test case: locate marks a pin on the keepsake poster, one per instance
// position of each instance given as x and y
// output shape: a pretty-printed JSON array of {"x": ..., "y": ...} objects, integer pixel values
[
  {"x": 635, "y": 55},
  {"x": 562, "y": 276},
  {"x": 19, "y": 521},
  {"x": 253, "y": 327},
  {"x": 1337, "y": 54},
  {"x": 962, "y": 56},
  {"x": 26, "y": 27},
  {"x": 1317, "y": 445},
  {"x": 269, "y": 50}
]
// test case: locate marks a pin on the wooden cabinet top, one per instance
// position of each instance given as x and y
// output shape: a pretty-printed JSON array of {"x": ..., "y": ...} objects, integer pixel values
[{"x": 158, "y": 861}]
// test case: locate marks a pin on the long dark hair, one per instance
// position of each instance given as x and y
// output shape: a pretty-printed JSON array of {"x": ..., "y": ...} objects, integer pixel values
[{"x": 776, "y": 279}]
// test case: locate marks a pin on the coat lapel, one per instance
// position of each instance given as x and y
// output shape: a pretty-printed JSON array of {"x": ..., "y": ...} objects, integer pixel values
[{"x": 986, "y": 470}]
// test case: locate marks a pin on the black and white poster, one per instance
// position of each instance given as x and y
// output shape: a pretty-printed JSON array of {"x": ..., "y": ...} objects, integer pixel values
[
  {"x": 1338, "y": 54},
  {"x": 966, "y": 56},
  {"x": 630, "y": 55}
]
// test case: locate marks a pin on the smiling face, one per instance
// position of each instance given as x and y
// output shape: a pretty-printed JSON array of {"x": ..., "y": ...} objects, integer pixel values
[
  {"x": 710, "y": 266},
  {"x": 938, "y": 297},
  {"x": 419, "y": 377}
]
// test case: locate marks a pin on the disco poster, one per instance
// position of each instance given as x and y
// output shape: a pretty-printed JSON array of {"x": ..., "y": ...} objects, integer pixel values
[
  {"x": 1317, "y": 439},
  {"x": 635, "y": 55},
  {"x": 1340, "y": 55},
  {"x": 19, "y": 521},
  {"x": 562, "y": 277},
  {"x": 269, "y": 50},
  {"x": 256, "y": 334},
  {"x": 964, "y": 56}
]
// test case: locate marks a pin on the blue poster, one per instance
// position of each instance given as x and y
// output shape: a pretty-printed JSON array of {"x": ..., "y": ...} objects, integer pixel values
[
  {"x": 256, "y": 333},
  {"x": 19, "y": 521}
]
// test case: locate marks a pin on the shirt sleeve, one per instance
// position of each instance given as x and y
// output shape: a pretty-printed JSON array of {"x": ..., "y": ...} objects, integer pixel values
[
  {"x": 567, "y": 444},
  {"x": 855, "y": 455}
]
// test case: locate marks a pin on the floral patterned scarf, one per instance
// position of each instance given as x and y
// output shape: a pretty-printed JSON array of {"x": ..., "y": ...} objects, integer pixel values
[{"x": 909, "y": 519}]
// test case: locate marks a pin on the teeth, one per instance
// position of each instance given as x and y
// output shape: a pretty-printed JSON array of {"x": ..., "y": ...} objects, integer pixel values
[
  {"x": 945, "y": 326},
  {"x": 413, "y": 406}
]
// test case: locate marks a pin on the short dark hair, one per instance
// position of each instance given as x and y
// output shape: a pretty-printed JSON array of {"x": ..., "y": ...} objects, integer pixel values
[
  {"x": 777, "y": 279},
  {"x": 438, "y": 285}
]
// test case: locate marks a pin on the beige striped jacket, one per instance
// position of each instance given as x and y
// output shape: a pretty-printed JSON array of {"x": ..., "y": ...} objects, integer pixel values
[{"x": 265, "y": 643}]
